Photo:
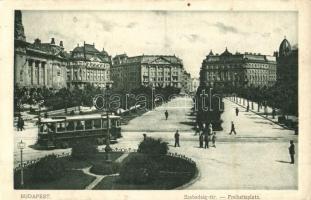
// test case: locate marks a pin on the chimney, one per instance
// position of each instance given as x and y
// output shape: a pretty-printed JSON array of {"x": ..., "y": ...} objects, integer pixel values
[
  {"x": 52, "y": 41},
  {"x": 37, "y": 41},
  {"x": 61, "y": 44}
]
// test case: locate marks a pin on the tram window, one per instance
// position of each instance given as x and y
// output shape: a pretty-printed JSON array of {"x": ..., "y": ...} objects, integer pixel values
[
  {"x": 43, "y": 128},
  {"x": 104, "y": 123},
  {"x": 79, "y": 125},
  {"x": 88, "y": 124},
  {"x": 113, "y": 123},
  {"x": 70, "y": 126},
  {"x": 97, "y": 123},
  {"x": 51, "y": 127},
  {"x": 60, "y": 127}
]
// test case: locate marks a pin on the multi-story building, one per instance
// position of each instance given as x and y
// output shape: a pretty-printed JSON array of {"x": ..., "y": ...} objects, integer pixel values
[
  {"x": 287, "y": 62},
  {"x": 87, "y": 65},
  {"x": 146, "y": 70},
  {"x": 186, "y": 82},
  {"x": 194, "y": 84},
  {"x": 237, "y": 69},
  {"x": 37, "y": 64}
]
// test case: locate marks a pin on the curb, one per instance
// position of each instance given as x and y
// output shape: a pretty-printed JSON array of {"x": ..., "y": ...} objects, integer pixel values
[{"x": 283, "y": 126}]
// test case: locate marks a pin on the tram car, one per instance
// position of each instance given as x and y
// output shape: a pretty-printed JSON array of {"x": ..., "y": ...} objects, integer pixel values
[{"x": 62, "y": 132}]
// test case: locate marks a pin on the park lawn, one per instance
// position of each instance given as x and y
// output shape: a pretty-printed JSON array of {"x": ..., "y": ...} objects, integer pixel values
[
  {"x": 165, "y": 182},
  {"x": 174, "y": 172},
  {"x": 73, "y": 178},
  {"x": 98, "y": 158}
]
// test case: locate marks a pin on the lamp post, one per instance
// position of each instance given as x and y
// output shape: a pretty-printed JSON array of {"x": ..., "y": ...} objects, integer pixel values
[
  {"x": 21, "y": 145},
  {"x": 126, "y": 97},
  {"x": 107, "y": 148}
]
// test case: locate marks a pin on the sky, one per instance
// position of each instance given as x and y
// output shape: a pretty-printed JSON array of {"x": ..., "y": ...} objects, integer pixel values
[{"x": 190, "y": 35}]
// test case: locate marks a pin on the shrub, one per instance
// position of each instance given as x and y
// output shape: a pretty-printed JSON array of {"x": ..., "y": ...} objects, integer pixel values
[
  {"x": 83, "y": 150},
  {"x": 153, "y": 147},
  {"x": 138, "y": 169},
  {"x": 48, "y": 168},
  {"x": 105, "y": 168}
]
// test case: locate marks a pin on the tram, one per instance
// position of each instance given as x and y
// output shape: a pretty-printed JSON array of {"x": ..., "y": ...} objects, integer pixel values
[{"x": 62, "y": 132}]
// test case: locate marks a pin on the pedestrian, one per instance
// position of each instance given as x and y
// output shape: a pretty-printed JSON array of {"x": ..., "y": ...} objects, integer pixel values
[
  {"x": 177, "y": 139},
  {"x": 145, "y": 136},
  {"x": 210, "y": 129},
  {"x": 201, "y": 138},
  {"x": 166, "y": 114},
  {"x": 232, "y": 129},
  {"x": 236, "y": 111},
  {"x": 247, "y": 108},
  {"x": 214, "y": 139},
  {"x": 291, "y": 150},
  {"x": 273, "y": 113},
  {"x": 197, "y": 130},
  {"x": 206, "y": 140},
  {"x": 19, "y": 123},
  {"x": 22, "y": 124}
]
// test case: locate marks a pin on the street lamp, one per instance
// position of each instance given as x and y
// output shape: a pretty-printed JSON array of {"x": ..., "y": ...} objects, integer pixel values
[
  {"x": 126, "y": 97},
  {"x": 107, "y": 148},
  {"x": 21, "y": 145}
]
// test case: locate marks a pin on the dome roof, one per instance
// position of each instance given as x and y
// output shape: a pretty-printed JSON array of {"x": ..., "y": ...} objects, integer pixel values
[
  {"x": 226, "y": 53},
  {"x": 285, "y": 48}
]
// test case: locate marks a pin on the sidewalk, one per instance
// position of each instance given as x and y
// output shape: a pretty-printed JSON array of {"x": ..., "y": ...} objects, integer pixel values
[{"x": 243, "y": 103}]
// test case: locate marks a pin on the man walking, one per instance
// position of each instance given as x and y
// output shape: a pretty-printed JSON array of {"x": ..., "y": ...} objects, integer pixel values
[
  {"x": 166, "y": 115},
  {"x": 236, "y": 111},
  {"x": 177, "y": 139},
  {"x": 232, "y": 129},
  {"x": 291, "y": 150},
  {"x": 206, "y": 140},
  {"x": 201, "y": 138}
]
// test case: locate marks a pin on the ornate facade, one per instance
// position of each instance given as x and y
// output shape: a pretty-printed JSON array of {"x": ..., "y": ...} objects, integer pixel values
[
  {"x": 241, "y": 70},
  {"x": 88, "y": 66},
  {"x": 146, "y": 70},
  {"x": 186, "y": 81},
  {"x": 37, "y": 64}
]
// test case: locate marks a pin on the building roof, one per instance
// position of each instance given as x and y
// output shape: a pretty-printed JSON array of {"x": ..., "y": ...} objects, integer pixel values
[
  {"x": 90, "y": 53},
  {"x": 285, "y": 47},
  {"x": 48, "y": 49},
  {"x": 148, "y": 59},
  {"x": 226, "y": 53},
  {"x": 226, "y": 56}
]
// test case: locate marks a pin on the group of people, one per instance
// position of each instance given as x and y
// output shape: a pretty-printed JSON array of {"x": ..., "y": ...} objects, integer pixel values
[{"x": 206, "y": 135}]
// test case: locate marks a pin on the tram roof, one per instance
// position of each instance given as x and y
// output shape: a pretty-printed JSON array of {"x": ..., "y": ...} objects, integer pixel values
[{"x": 78, "y": 117}]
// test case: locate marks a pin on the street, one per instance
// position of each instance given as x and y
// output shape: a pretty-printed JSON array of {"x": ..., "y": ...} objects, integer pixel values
[{"x": 256, "y": 158}]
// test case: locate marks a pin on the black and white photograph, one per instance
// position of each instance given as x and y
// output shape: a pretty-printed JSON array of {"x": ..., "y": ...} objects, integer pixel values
[{"x": 156, "y": 99}]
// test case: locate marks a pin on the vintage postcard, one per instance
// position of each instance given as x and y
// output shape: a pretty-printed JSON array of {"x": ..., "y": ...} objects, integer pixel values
[{"x": 174, "y": 100}]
